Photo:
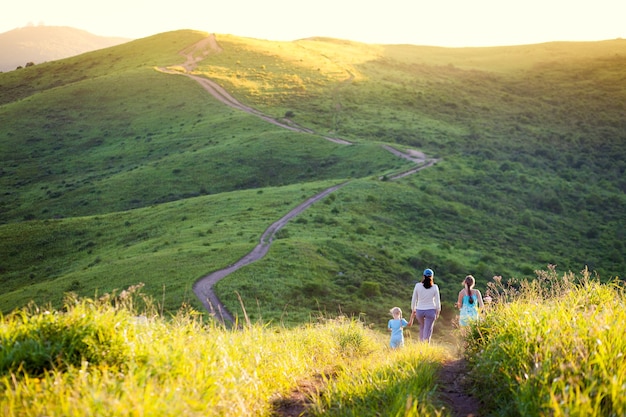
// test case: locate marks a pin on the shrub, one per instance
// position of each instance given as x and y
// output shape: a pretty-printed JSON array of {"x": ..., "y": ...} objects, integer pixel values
[
  {"x": 35, "y": 340},
  {"x": 51, "y": 340},
  {"x": 361, "y": 230},
  {"x": 370, "y": 288},
  {"x": 315, "y": 289}
]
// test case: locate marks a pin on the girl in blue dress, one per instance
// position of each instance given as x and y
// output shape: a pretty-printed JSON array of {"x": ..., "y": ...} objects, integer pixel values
[
  {"x": 395, "y": 326},
  {"x": 469, "y": 302}
]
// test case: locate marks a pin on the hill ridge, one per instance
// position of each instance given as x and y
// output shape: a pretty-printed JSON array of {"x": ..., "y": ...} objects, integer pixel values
[{"x": 220, "y": 93}]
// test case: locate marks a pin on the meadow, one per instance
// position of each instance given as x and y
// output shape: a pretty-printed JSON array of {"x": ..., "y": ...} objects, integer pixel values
[{"x": 115, "y": 174}]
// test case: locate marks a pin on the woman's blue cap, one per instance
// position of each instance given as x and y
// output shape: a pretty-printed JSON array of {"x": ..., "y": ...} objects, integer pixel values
[{"x": 428, "y": 272}]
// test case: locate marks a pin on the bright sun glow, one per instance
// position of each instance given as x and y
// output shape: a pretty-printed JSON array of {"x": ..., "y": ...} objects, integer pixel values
[{"x": 419, "y": 22}]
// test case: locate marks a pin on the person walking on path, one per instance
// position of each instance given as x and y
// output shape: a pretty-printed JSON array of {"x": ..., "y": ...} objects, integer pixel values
[
  {"x": 469, "y": 302},
  {"x": 426, "y": 305},
  {"x": 395, "y": 326}
]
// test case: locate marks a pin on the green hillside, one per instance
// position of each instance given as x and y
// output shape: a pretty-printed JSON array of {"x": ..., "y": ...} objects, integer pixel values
[{"x": 115, "y": 173}]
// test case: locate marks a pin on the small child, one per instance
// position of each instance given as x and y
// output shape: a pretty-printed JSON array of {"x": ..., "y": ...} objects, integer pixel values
[{"x": 395, "y": 326}]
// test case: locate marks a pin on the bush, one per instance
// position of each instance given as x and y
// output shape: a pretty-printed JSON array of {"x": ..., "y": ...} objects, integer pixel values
[
  {"x": 315, "y": 289},
  {"x": 34, "y": 341},
  {"x": 361, "y": 230},
  {"x": 370, "y": 288}
]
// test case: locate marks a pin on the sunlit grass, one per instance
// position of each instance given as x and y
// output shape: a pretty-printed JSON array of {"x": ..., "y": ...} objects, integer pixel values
[
  {"x": 395, "y": 383},
  {"x": 554, "y": 346},
  {"x": 117, "y": 356}
]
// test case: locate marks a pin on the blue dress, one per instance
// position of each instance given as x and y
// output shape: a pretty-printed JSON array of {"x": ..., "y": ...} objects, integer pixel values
[
  {"x": 469, "y": 312},
  {"x": 397, "y": 336}
]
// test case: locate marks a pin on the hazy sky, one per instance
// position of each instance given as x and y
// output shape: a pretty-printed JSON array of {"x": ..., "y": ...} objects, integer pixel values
[{"x": 420, "y": 22}]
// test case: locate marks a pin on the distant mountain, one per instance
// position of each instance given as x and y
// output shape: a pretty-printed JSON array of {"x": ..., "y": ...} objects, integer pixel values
[{"x": 38, "y": 44}]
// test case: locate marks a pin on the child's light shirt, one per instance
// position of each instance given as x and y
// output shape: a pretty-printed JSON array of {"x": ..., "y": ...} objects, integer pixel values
[{"x": 396, "y": 326}]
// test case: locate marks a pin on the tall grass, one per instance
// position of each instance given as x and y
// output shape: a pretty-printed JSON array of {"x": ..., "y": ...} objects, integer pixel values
[
  {"x": 400, "y": 383},
  {"x": 554, "y": 346},
  {"x": 116, "y": 356}
]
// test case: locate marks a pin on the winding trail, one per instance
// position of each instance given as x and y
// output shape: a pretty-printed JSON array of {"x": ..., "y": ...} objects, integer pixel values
[
  {"x": 452, "y": 383},
  {"x": 203, "y": 287},
  {"x": 414, "y": 156},
  {"x": 201, "y": 50}
]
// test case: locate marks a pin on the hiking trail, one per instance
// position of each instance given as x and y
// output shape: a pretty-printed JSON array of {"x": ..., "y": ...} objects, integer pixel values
[{"x": 203, "y": 287}]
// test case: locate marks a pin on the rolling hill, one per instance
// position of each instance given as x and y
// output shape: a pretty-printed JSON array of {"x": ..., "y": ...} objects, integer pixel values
[{"x": 116, "y": 172}]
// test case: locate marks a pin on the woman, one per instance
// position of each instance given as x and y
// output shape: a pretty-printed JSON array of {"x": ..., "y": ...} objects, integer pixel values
[
  {"x": 469, "y": 301},
  {"x": 426, "y": 305}
]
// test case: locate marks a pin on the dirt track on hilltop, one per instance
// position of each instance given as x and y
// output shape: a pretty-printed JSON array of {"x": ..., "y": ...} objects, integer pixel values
[{"x": 209, "y": 45}]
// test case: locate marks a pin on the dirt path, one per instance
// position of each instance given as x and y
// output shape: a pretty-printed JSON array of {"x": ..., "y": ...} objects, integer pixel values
[
  {"x": 209, "y": 45},
  {"x": 453, "y": 388},
  {"x": 417, "y": 157},
  {"x": 203, "y": 287}
]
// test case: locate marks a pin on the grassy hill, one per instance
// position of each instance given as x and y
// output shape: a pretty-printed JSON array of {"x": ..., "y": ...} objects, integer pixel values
[{"x": 114, "y": 173}]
